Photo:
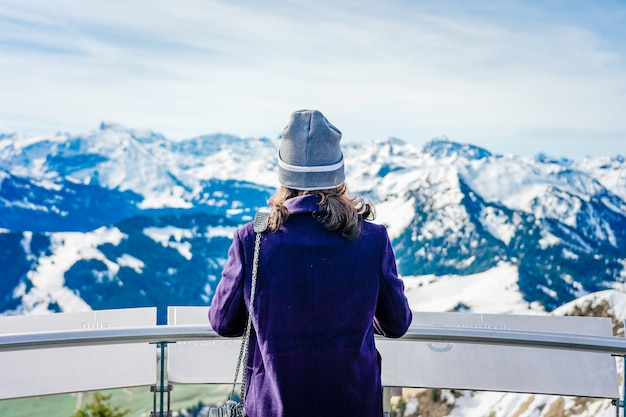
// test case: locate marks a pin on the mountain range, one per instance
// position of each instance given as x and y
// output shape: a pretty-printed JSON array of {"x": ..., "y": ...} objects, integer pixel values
[{"x": 121, "y": 217}]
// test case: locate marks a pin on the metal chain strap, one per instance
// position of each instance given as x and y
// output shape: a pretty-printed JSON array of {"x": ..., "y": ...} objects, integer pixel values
[
  {"x": 255, "y": 268},
  {"x": 260, "y": 225}
]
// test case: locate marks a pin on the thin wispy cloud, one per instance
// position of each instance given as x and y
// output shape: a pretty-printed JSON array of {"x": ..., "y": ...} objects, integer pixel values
[{"x": 514, "y": 77}]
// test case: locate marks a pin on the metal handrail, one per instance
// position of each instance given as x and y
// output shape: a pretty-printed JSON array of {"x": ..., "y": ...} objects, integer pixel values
[
  {"x": 164, "y": 334},
  {"x": 439, "y": 334}
]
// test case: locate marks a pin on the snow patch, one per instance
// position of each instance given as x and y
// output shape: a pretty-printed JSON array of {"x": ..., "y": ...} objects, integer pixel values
[
  {"x": 130, "y": 261},
  {"x": 48, "y": 276},
  {"x": 220, "y": 231},
  {"x": 548, "y": 239},
  {"x": 172, "y": 237},
  {"x": 498, "y": 225},
  {"x": 396, "y": 215},
  {"x": 493, "y": 291}
]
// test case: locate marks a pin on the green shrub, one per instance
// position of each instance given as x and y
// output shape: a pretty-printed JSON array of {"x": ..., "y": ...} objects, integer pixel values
[{"x": 100, "y": 406}]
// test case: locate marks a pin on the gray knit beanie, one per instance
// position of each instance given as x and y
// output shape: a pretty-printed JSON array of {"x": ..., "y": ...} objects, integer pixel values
[{"x": 310, "y": 157}]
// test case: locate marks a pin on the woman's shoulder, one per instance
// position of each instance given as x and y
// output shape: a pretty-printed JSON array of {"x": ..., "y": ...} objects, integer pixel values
[
  {"x": 245, "y": 231},
  {"x": 370, "y": 229}
]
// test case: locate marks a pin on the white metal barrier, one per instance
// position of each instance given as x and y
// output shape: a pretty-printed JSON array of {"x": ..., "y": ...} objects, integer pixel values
[
  {"x": 503, "y": 367},
  {"x": 84, "y": 367},
  {"x": 187, "y": 359},
  {"x": 408, "y": 363},
  {"x": 117, "y": 348}
]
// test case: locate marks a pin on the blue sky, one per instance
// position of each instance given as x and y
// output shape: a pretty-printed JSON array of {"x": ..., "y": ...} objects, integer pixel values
[{"x": 511, "y": 76}]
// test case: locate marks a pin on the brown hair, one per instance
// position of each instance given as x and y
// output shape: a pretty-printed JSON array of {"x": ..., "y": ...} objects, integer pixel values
[{"x": 338, "y": 211}]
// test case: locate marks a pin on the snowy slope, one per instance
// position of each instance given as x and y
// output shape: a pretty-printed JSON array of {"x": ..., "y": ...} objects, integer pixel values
[{"x": 493, "y": 291}]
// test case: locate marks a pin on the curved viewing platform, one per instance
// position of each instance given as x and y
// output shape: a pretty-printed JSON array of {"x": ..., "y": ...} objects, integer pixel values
[{"x": 105, "y": 349}]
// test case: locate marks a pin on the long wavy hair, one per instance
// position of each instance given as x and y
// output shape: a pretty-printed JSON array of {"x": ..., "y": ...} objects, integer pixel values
[{"x": 338, "y": 211}]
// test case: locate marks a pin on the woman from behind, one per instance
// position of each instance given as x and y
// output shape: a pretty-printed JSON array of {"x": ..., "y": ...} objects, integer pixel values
[{"x": 327, "y": 283}]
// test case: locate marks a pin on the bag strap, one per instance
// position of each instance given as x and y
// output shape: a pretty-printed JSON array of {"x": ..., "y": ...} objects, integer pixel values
[{"x": 261, "y": 221}]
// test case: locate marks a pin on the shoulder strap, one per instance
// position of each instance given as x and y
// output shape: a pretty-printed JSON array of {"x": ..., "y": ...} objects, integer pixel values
[{"x": 261, "y": 221}]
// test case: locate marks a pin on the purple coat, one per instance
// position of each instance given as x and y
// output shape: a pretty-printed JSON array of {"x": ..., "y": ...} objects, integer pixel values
[{"x": 319, "y": 301}]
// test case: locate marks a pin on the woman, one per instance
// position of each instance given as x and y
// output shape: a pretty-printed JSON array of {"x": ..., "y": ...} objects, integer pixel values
[{"x": 327, "y": 282}]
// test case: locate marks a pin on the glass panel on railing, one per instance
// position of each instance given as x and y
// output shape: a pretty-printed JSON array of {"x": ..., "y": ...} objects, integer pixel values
[
  {"x": 485, "y": 367},
  {"x": 72, "y": 369},
  {"x": 200, "y": 361}
]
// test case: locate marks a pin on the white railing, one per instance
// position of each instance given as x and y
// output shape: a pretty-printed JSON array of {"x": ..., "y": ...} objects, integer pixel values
[
  {"x": 615, "y": 346},
  {"x": 491, "y": 355}
]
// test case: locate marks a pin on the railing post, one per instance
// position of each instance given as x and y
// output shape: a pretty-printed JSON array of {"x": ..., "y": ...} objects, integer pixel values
[
  {"x": 624, "y": 386},
  {"x": 386, "y": 401},
  {"x": 161, "y": 389},
  {"x": 388, "y": 394},
  {"x": 622, "y": 403}
]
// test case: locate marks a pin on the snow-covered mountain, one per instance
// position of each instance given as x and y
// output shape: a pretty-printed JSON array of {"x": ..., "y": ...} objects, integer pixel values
[
  {"x": 120, "y": 217},
  {"x": 451, "y": 209}
]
